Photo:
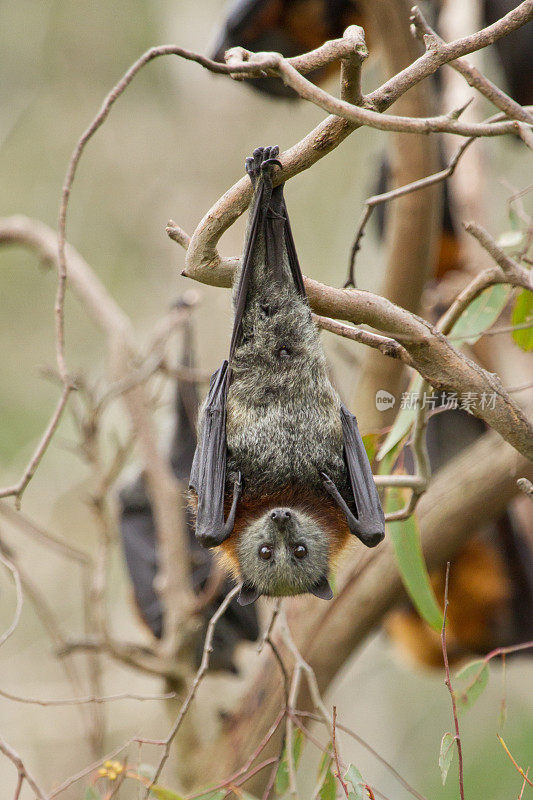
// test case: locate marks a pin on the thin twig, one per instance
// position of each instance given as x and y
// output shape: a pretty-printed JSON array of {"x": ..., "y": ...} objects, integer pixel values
[
  {"x": 370, "y": 749},
  {"x": 400, "y": 191},
  {"x": 449, "y": 685},
  {"x": 18, "y": 589},
  {"x": 387, "y": 346},
  {"x": 204, "y": 666},
  {"x": 76, "y": 701},
  {"x": 23, "y": 772},
  {"x": 473, "y": 76},
  {"x": 517, "y": 767},
  {"x": 17, "y": 489},
  {"x": 338, "y": 774}
]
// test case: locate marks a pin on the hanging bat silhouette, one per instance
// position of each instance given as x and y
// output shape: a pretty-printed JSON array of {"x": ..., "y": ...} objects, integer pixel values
[
  {"x": 289, "y": 27},
  {"x": 140, "y": 541},
  {"x": 280, "y": 477},
  {"x": 491, "y": 579}
]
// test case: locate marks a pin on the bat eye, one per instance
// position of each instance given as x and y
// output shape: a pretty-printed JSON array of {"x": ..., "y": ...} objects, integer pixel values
[
  {"x": 300, "y": 551},
  {"x": 265, "y": 552},
  {"x": 284, "y": 352}
]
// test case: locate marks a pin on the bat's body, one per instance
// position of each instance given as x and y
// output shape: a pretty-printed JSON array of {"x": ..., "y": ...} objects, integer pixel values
[{"x": 281, "y": 474}]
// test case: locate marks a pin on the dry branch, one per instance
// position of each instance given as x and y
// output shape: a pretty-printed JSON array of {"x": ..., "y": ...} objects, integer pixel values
[{"x": 23, "y": 773}]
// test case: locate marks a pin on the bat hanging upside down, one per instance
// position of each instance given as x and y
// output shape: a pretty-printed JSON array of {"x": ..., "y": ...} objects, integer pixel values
[{"x": 280, "y": 477}]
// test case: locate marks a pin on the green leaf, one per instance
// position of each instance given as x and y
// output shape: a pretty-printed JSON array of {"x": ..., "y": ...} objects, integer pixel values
[
  {"x": 282, "y": 776},
  {"x": 405, "y": 538},
  {"x": 325, "y": 761},
  {"x": 370, "y": 441},
  {"x": 470, "y": 683},
  {"x": 446, "y": 754},
  {"x": 166, "y": 794},
  {"x": 480, "y": 314},
  {"x": 523, "y": 312},
  {"x": 328, "y": 790},
  {"x": 91, "y": 793},
  {"x": 297, "y": 743},
  {"x": 354, "y": 777},
  {"x": 404, "y": 419}
]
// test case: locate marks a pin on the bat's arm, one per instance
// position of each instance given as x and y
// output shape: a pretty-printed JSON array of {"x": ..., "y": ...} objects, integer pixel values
[
  {"x": 208, "y": 474},
  {"x": 369, "y": 524}
]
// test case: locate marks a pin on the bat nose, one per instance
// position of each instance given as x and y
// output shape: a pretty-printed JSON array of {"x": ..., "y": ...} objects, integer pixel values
[{"x": 280, "y": 515}]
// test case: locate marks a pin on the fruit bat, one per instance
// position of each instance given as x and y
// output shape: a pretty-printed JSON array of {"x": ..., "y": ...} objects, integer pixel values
[
  {"x": 280, "y": 477},
  {"x": 139, "y": 538},
  {"x": 289, "y": 27}
]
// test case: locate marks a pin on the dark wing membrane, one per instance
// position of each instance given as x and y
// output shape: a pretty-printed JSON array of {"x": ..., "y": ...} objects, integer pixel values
[
  {"x": 368, "y": 522},
  {"x": 208, "y": 473},
  {"x": 370, "y": 527}
]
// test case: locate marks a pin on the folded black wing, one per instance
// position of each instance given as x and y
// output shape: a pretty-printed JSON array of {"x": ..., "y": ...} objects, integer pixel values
[
  {"x": 208, "y": 472},
  {"x": 368, "y": 522}
]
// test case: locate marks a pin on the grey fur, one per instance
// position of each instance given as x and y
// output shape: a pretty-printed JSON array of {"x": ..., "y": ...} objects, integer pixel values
[{"x": 283, "y": 422}]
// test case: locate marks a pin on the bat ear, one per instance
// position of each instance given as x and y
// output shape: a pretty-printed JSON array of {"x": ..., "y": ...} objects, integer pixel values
[
  {"x": 247, "y": 595},
  {"x": 322, "y": 589}
]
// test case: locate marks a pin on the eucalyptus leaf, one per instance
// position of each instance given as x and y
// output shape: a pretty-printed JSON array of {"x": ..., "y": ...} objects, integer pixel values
[
  {"x": 328, "y": 790},
  {"x": 354, "y": 777},
  {"x": 447, "y": 749},
  {"x": 91, "y": 793},
  {"x": 480, "y": 314},
  {"x": 370, "y": 442},
  {"x": 405, "y": 537},
  {"x": 470, "y": 683},
  {"x": 523, "y": 312},
  {"x": 281, "y": 783},
  {"x": 167, "y": 794},
  {"x": 404, "y": 419}
]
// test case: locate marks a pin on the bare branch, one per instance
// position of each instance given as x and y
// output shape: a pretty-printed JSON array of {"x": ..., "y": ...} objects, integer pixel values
[
  {"x": 78, "y": 701},
  {"x": 17, "y": 490},
  {"x": 387, "y": 346},
  {"x": 204, "y": 666},
  {"x": 23, "y": 772},
  {"x": 526, "y": 486},
  {"x": 514, "y": 273},
  {"x": 18, "y": 588},
  {"x": 473, "y": 76},
  {"x": 448, "y": 683}
]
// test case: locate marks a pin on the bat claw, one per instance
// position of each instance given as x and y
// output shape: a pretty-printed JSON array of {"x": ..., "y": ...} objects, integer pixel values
[{"x": 262, "y": 162}]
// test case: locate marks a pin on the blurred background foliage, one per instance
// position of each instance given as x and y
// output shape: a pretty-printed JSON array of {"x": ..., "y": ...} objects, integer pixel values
[{"x": 172, "y": 145}]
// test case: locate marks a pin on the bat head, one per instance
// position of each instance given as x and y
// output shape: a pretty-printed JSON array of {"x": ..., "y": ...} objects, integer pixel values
[{"x": 283, "y": 552}]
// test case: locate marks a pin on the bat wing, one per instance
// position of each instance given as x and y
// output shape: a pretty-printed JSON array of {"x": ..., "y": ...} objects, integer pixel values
[
  {"x": 368, "y": 523},
  {"x": 208, "y": 473}
]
